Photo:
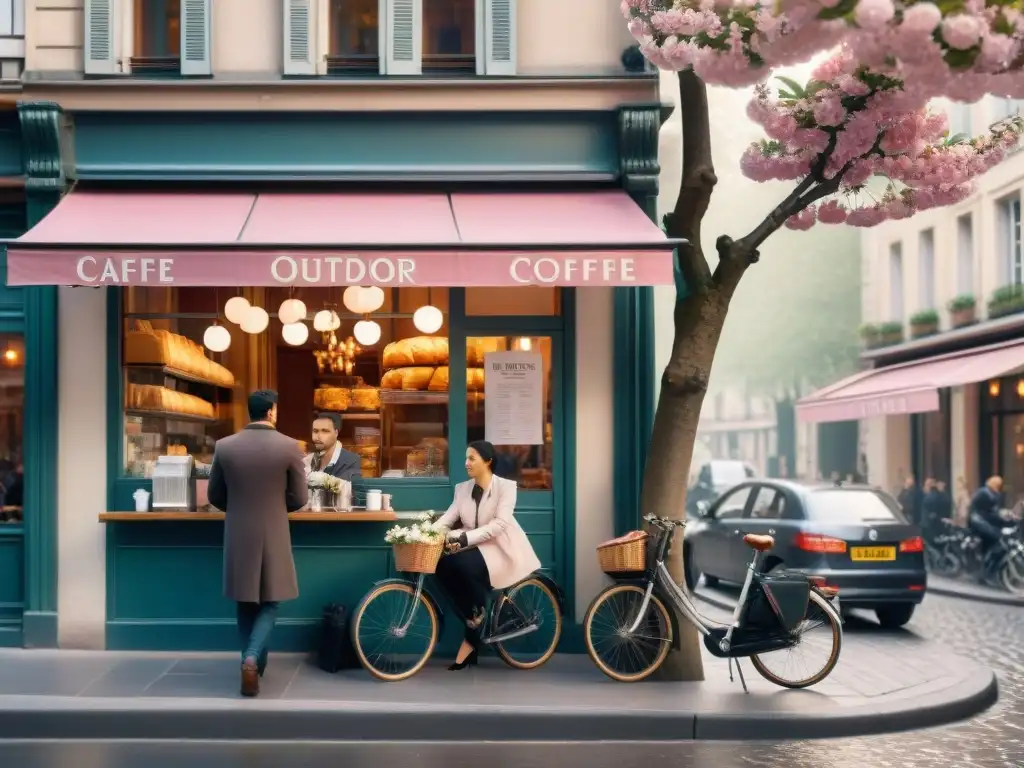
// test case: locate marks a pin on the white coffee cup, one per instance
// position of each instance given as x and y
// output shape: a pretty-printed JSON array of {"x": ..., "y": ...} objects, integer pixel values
[
  {"x": 373, "y": 501},
  {"x": 141, "y": 497}
]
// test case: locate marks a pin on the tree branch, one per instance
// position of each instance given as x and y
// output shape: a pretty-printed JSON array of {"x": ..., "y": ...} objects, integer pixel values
[{"x": 698, "y": 180}]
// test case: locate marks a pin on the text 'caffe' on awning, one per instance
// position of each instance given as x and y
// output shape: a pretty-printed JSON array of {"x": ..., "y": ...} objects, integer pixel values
[
  {"x": 387, "y": 239},
  {"x": 909, "y": 387}
]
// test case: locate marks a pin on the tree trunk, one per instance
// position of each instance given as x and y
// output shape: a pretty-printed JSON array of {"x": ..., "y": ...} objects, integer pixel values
[{"x": 699, "y": 320}]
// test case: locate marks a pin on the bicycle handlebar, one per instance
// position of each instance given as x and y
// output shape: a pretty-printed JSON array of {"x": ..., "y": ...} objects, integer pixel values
[{"x": 664, "y": 522}]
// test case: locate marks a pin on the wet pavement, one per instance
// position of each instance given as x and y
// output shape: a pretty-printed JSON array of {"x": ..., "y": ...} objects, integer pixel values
[{"x": 992, "y": 634}]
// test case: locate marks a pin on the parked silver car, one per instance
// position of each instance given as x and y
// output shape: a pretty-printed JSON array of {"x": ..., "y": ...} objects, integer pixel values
[{"x": 854, "y": 536}]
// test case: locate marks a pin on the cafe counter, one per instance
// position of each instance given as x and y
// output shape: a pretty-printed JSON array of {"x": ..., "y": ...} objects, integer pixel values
[{"x": 164, "y": 577}]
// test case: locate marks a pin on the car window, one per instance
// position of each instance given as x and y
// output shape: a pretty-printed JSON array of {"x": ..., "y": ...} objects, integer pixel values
[
  {"x": 853, "y": 507},
  {"x": 732, "y": 504},
  {"x": 768, "y": 505}
]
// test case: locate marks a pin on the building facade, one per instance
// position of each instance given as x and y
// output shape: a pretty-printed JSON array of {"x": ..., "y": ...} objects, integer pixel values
[
  {"x": 942, "y": 295},
  {"x": 176, "y": 127}
]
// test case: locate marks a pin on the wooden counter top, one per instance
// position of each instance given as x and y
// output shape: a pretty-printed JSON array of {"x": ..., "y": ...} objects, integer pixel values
[{"x": 298, "y": 517}]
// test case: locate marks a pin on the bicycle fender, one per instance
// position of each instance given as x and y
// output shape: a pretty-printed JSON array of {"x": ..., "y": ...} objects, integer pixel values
[
  {"x": 427, "y": 594},
  {"x": 666, "y": 601},
  {"x": 556, "y": 590}
]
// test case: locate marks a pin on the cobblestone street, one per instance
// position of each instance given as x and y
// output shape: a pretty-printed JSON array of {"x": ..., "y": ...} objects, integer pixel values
[{"x": 991, "y": 633}]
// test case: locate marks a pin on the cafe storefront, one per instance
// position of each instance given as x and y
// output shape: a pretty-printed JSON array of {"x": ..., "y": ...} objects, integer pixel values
[{"x": 379, "y": 302}]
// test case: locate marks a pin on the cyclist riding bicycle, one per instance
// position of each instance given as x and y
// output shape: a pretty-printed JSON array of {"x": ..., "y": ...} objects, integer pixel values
[
  {"x": 489, "y": 551},
  {"x": 985, "y": 519}
]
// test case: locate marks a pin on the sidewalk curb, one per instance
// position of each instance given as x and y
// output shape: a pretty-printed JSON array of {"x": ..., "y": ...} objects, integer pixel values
[
  {"x": 77, "y": 718},
  {"x": 993, "y": 598}
]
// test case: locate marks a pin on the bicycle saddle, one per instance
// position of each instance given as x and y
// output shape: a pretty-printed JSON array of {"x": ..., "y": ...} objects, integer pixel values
[{"x": 759, "y": 543}]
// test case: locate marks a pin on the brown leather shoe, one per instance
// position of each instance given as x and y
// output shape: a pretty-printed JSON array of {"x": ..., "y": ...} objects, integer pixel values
[{"x": 250, "y": 679}]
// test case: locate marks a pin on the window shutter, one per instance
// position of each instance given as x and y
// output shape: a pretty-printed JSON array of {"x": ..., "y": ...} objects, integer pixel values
[
  {"x": 195, "y": 37},
  {"x": 299, "y": 37},
  {"x": 404, "y": 49},
  {"x": 99, "y": 37},
  {"x": 500, "y": 37}
]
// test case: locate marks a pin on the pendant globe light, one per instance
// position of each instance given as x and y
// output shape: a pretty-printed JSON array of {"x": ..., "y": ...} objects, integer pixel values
[
  {"x": 428, "y": 318},
  {"x": 291, "y": 311},
  {"x": 361, "y": 300},
  {"x": 372, "y": 299},
  {"x": 367, "y": 332},
  {"x": 236, "y": 308},
  {"x": 326, "y": 320},
  {"x": 295, "y": 334},
  {"x": 216, "y": 338},
  {"x": 256, "y": 320}
]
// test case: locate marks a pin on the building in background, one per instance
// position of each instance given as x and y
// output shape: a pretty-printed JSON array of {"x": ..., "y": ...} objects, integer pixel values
[
  {"x": 943, "y": 307},
  {"x": 792, "y": 323},
  {"x": 195, "y": 126}
]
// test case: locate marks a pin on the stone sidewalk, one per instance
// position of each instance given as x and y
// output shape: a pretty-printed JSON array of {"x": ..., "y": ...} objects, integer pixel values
[{"x": 882, "y": 684}]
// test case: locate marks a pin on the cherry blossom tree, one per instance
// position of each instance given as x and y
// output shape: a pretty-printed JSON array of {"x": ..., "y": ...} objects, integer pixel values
[{"x": 858, "y": 141}]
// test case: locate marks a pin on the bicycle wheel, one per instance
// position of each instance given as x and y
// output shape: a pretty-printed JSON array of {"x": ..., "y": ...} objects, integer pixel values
[
  {"x": 826, "y": 644},
  {"x": 1011, "y": 575},
  {"x": 621, "y": 654},
  {"x": 393, "y": 636},
  {"x": 528, "y": 602}
]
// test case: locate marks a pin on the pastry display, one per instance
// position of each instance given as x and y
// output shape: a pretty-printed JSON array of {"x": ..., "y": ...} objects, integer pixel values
[
  {"x": 407, "y": 378},
  {"x": 476, "y": 348},
  {"x": 331, "y": 398},
  {"x": 364, "y": 398},
  {"x": 146, "y": 346},
  {"x": 422, "y": 378},
  {"x": 416, "y": 351},
  {"x": 149, "y": 397}
]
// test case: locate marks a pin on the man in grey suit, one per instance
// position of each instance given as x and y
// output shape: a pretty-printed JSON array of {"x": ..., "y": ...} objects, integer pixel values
[
  {"x": 257, "y": 478},
  {"x": 328, "y": 455}
]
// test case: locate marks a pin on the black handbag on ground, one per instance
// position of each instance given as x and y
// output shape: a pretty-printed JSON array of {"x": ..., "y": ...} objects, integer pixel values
[{"x": 336, "y": 651}]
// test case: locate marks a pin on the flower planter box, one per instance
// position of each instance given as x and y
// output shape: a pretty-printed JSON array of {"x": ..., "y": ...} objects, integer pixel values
[
  {"x": 920, "y": 330},
  {"x": 1003, "y": 309},
  {"x": 959, "y": 318}
]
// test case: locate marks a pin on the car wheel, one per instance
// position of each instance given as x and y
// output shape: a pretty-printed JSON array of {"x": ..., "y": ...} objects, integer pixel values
[
  {"x": 690, "y": 572},
  {"x": 894, "y": 616}
]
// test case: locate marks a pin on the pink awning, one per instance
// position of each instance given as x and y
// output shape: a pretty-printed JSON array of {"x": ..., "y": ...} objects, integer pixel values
[
  {"x": 268, "y": 239},
  {"x": 910, "y": 387}
]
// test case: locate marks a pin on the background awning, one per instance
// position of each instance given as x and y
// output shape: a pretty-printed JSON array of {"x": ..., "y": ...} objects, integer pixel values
[
  {"x": 910, "y": 387},
  {"x": 267, "y": 239}
]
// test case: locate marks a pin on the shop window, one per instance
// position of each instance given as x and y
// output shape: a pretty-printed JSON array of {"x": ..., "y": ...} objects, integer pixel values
[
  {"x": 449, "y": 36},
  {"x": 157, "y": 36},
  {"x": 532, "y": 300},
  {"x": 390, "y": 392},
  {"x": 354, "y": 36},
  {"x": 510, "y": 404},
  {"x": 12, "y": 405}
]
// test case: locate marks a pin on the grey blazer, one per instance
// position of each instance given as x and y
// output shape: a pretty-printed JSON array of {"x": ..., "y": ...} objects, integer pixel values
[{"x": 257, "y": 478}]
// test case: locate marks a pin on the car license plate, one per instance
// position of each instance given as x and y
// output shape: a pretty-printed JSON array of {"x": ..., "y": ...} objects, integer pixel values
[{"x": 872, "y": 554}]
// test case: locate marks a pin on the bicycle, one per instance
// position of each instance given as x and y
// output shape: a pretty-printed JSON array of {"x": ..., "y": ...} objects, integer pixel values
[
  {"x": 774, "y": 614},
  {"x": 524, "y": 635}
]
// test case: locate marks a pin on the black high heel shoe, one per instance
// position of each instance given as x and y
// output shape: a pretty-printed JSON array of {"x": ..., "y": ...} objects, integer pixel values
[{"x": 469, "y": 661}]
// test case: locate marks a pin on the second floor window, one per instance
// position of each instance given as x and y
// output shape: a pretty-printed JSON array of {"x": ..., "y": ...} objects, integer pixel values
[
  {"x": 926, "y": 269},
  {"x": 449, "y": 36},
  {"x": 1009, "y": 216},
  {"x": 157, "y": 36},
  {"x": 896, "y": 282},
  {"x": 355, "y": 37}
]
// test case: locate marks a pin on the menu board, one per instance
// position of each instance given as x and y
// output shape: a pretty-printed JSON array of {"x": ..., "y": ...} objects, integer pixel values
[{"x": 514, "y": 412}]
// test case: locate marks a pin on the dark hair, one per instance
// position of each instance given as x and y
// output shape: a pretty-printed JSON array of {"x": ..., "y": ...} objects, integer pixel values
[
  {"x": 485, "y": 450},
  {"x": 334, "y": 418},
  {"x": 260, "y": 403}
]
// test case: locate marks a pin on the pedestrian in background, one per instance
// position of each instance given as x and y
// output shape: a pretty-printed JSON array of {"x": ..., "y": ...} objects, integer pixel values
[
  {"x": 257, "y": 478},
  {"x": 910, "y": 500}
]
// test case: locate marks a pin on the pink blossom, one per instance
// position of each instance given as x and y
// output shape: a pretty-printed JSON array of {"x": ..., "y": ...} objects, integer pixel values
[
  {"x": 961, "y": 31},
  {"x": 921, "y": 18},
  {"x": 874, "y": 14},
  {"x": 829, "y": 110},
  {"x": 832, "y": 212}
]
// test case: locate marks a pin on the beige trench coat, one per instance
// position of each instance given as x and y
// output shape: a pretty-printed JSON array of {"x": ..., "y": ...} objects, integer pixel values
[{"x": 257, "y": 478}]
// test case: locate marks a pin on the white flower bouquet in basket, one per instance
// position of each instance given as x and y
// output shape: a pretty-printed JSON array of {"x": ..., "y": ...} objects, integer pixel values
[
  {"x": 323, "y": 490},
  {"x": 417, "y": 547}
]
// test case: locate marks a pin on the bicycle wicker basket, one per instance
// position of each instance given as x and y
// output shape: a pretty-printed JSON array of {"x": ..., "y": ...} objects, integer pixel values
[
  {"x": 417, "y": 558},
  {"x": 625, "y": 554}
]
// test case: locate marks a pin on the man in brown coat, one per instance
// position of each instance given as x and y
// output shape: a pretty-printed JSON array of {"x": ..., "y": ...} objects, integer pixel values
[{"x": 257, "y": 478}]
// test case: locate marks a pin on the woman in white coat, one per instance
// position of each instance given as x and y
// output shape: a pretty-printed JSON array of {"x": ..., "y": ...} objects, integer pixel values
[{"x": 497, "y": 553}]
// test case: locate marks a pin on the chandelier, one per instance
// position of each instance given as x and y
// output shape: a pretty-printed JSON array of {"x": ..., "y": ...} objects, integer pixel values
[{"x": 338, "y": 356}]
